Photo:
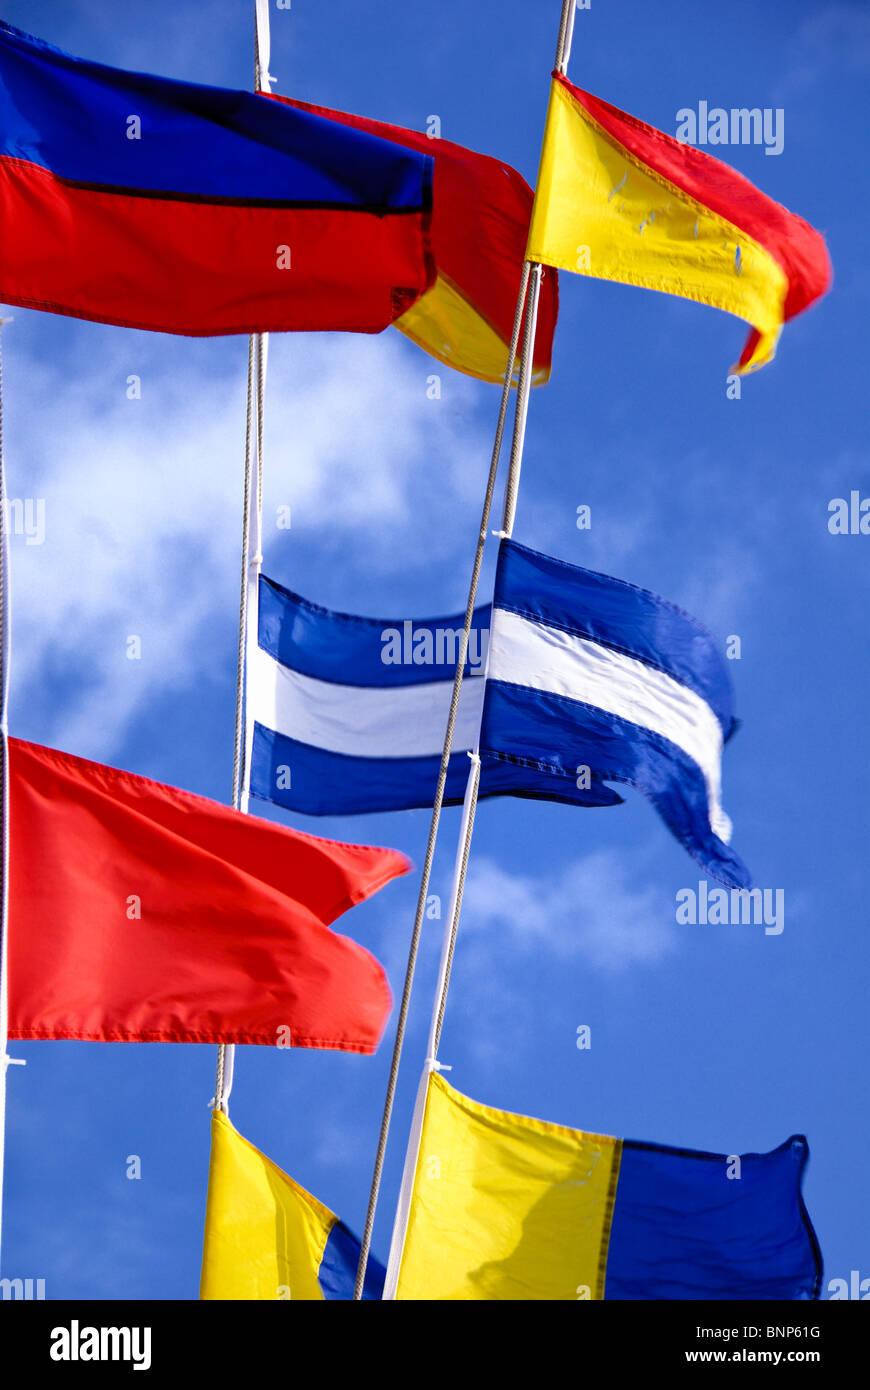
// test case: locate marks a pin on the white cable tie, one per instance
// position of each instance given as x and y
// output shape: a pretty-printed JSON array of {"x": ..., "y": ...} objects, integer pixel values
[
  {"x": 501, "y": 535},
  {"x": 432, "y": 1064},
  {"x": 256, "y": 559},
  {"x": 475, "y": 758},
  {"x": 9, "y": 320},
  {"x": 14, "y": 1061}
]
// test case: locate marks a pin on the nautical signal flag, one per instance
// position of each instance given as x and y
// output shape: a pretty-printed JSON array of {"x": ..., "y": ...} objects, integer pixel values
[
  {"x": 140, "y": 913},
  {"x": 589, "y": 680},
  {"x": 510, "y": 1208},
  {"x": 349, "y": 713},
  {"x": 480, "y": 220},
  {"x": 166, "y": 205},
  {"x": 266, "y": 1238},
  {"x": 619, "y": 200},
  {"x": 589, "y": 674}
]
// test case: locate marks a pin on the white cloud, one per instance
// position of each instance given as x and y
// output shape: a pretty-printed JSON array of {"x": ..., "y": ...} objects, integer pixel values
[
  {"x": 722, "y": 587},
  {"x": 143, "y": 502},
  {"x": 610, "y": 544},
  {"x": 520, "y": 932},
  {"x": 838, "y": 38},
  {"x": 594, "y": 910}
]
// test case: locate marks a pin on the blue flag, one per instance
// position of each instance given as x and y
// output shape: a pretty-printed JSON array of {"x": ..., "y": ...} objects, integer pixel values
[
  {"x": 589, "y": 675},
  {"x": 589, "y": 680},
  {"x": 350, "y": 713}
]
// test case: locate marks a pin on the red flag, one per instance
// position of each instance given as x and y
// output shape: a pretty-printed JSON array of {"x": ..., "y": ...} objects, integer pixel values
[
  {"x": 481, "y": 211},
  {"x": 139, "y": 913}
]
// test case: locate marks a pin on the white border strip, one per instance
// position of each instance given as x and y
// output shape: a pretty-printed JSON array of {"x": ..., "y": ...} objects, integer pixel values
[
  {"x": 530, "y": 654},
  {"x": 402, "y": 721}
]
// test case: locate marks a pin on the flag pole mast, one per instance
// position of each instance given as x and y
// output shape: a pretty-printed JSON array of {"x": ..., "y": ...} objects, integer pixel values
[
  {"x": 563, "y": 54},
  {"x": 5, "y": 1060},
  {"x": 401, "y": 1026},
  {"x": 252, "y": 514},
  {"x": 532, "y": 274},
  {"x": 252, "y": 544},
  {"x": 4, "y": 792}
]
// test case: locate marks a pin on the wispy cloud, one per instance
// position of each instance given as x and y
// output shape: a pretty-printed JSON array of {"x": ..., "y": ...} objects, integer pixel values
[
  {"x": 646, "y": 542},
  {"x": 838, "y": 37},
  {"x": 593, "y": 911},
  {"x": 592, "y": 916},
  {"x": 142, "y": 505}
]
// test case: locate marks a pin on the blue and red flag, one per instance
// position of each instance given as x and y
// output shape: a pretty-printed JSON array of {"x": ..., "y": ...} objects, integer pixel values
[{"x": 166, "y": 205}]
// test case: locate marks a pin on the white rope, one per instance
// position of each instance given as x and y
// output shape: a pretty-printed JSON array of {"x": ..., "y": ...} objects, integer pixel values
[
  {"x": 439, "y": 794},
  {"x": 466, "y": 829},
  {"x": 563, "y": 53},
  {"x": 463, "y": 851},
  {"x": 4, "y": 794},
  {"x": 448, "y": 946},
  {"x": 5, "y": 1060},
  {"x": 400, "y": 1225},
  {"x": 251, "y": 463},
  {"x": 254, "y": 566},
  {"x": 252, "y": 545},
  {"x": 532, "y": 274},
  {"x": 252, "y": 525},
  {"x": 566, "y": 34},
  {"x": 522, "y": 410}
]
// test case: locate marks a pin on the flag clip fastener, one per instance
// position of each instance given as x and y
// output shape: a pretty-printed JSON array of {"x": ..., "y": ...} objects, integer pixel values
[{"x": 432, "y": 1064}]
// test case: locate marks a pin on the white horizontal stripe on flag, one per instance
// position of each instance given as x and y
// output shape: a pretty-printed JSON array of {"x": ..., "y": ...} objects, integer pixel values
[
  {"x": 526, "y": 653},
  {"x": 401, "y": 721}
]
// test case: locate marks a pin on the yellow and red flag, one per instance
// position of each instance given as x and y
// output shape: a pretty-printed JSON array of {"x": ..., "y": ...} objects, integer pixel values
[{"x": 619, "y": 200}]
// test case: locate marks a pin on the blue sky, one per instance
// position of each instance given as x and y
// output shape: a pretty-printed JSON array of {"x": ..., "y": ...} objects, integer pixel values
[{"x": 716, "y": 1037}]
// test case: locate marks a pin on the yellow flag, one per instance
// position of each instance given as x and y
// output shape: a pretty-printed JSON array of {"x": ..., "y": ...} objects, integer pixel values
[
  {"x": 445, "y": 323},
  {"x": 264, "y": 1234},
  {"x": 506, "y": 1207},
  {"x": 618, "y": 200}
]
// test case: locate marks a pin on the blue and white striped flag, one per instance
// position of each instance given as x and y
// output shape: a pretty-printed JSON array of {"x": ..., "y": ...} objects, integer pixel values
[
  {"x": 350, "y": 713},
  {"x": 589, "y": 671},
  {"x": 590, "y": 680}
]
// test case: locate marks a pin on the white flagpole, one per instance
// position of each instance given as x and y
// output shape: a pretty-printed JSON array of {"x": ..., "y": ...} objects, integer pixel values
[
  {"x": 400, "y": 1225},
  {"x": 254, "y": 567},
  {"x": 252, "y": 558},
  {"x": 566, "y": 34},
  {"x": 439, "y": 794},
  {"x": 463, "y": 848},
  {"x": 249, "y": 585},
  {"x": 264, "y": 79},
  {"x": 5, "y": 1060},
  {"x": 533, "y": 272},
  {"x": 4, "y": 793},
  {"x": 522, "y": 410}
]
